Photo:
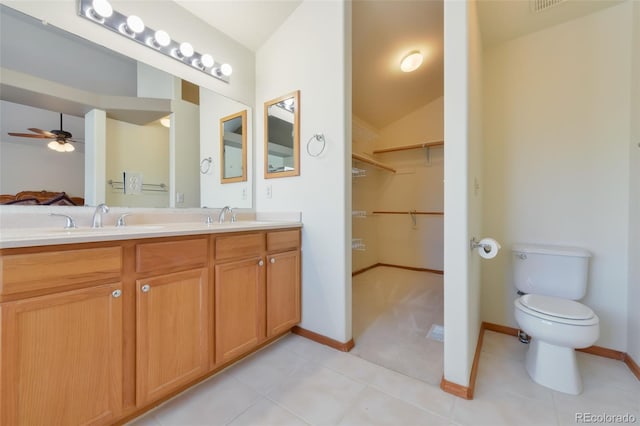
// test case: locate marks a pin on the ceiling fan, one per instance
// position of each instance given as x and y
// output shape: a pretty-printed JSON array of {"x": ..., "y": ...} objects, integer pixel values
[{"x": 61, "y": 139}]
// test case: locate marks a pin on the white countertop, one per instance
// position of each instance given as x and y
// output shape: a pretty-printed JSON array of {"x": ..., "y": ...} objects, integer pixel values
[{"x": 29, "y": 237}]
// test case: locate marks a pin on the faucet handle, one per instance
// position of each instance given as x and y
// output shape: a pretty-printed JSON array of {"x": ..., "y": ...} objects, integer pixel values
[
  {"x": 121, "y": 220},
  {"x": 208, "y": 220},
  {"x": 69, "y": 222},
  {"x": 233, "y": 216}
]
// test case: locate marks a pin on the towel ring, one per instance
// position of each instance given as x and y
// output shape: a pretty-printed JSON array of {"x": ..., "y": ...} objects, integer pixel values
[
  {"x": 209, "y": 162},
  {"x": 320, "y": 138}
]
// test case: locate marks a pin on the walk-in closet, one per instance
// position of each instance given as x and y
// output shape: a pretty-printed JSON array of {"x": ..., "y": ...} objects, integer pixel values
[{"x": 397, "y": 188}]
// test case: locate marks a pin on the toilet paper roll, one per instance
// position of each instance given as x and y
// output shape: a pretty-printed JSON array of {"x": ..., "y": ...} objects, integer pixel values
[{"x": 488, "y": 248}]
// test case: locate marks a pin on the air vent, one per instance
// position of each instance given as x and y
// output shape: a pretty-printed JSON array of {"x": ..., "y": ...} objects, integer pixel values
[{"x": 540, "y": 5}]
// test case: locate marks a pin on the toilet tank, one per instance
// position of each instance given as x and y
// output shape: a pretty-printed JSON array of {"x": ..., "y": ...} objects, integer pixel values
[{"x": 551, "y": 270}]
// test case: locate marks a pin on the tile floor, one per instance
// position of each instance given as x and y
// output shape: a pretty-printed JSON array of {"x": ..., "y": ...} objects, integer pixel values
[
  {"x": 393, "y": 310},
  {"x": 296, "y": 381}
]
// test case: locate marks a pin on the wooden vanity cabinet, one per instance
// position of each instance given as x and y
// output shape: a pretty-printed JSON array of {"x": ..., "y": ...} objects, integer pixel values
[
  {"x": 61, "y": 360},
  {"x": 171, "y": 316},
  {"x": 239, "y": 306},
  {"x": 283, "y": 281},
  {"x": 93, "y": 333},
  {"x": 257, "y": 290}
]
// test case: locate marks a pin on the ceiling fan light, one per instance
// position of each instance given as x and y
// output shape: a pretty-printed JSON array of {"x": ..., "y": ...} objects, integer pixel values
[
  {"x": 411, "y": 61},
  {"x": 53, "y": 145},
  {"x": 68, "y": 147}
]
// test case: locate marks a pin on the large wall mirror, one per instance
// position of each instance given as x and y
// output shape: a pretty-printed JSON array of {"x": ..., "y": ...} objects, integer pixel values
[
  {"x": 46, "y": 71},
  {"x": 282, "y": 136},
  {"x": 233, "y": 148}
]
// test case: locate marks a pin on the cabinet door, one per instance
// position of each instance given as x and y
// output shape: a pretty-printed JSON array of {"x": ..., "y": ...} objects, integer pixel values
[
  {"x": 283, "y": 292},
  {"x": 62, "y": 358},
  {"x": 239, "y": 307},
  {"x": 171, "y": 332}
]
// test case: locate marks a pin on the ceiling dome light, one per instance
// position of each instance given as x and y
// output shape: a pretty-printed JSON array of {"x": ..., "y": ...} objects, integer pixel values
[
  {"x": 226, "y": 69},
  {"x": 411, "y": 61},
  {"x": 186, "y": 49},
  {"x": 162, "y": 38},
  {"x": 135, "y": 24},
  {"x": 102, "y": 8},
  {"x": 166, "y": 122}
]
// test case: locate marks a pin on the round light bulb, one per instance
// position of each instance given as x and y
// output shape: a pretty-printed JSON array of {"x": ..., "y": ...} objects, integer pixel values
[
  {"x": 207, "y": 60},
  {"x": 68, "y": 147},
  {"x": 162, "y": 38},
  {"x": 53, "y": 145},
  {"x": 226, "y": 69},
  {"x": 102, "y": 8},
  {"x": 135, "y": 24},
  {"x": 186, "y": 49},
  {"x": 411, "y": 61}
]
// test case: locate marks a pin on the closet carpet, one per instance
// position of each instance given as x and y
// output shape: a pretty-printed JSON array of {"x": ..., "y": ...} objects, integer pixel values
[{"x": 393, "y": 311}]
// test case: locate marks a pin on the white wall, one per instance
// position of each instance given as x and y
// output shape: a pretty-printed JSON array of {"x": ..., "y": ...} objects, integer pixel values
[
  {"x": 213, "y": 107},
  {"x": 462, "y": 164},
  {"x": 165, "y": 15},
  {"x": 417, "y": 185},
  {"x": 143, "y": 149},
  {"x": 557, "y": 157},
  {"x": 307, "y": 53},
  {"x": 633, "y": 296}
]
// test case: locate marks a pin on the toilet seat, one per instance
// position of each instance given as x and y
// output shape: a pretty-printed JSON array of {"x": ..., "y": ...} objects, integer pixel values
[{"x": 558, "y": 310}]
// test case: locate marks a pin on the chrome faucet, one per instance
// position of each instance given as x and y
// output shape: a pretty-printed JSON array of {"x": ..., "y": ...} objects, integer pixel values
[
  {"x": 121, "y": 220},
  {"x": 97, "y": 215},
  {"x": 224, "y": 210},
  {"x": 69, "y": 223}
]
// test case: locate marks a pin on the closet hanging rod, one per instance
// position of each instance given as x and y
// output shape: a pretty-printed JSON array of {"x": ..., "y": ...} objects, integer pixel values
[
  {"x": 408, "y": 212},
  {"x": 406, "y": 147}
]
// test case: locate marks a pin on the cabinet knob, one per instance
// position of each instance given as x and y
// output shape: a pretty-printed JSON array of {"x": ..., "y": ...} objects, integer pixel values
[
  {"x": 261, "y": 263},
  {"x": 272, "y": 260},
  {"x": 145, "y": 288},
  {"x": 116, "y": 293}
]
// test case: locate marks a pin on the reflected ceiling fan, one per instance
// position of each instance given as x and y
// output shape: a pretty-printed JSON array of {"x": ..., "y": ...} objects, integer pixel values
[{"x": 61, "y": 139}]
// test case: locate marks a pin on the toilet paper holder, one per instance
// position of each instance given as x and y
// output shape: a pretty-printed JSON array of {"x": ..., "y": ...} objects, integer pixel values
[{"x": 474, "y": 244}]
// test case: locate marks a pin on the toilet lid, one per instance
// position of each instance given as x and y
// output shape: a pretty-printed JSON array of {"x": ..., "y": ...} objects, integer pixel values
[{"x": 554, "y": 306}]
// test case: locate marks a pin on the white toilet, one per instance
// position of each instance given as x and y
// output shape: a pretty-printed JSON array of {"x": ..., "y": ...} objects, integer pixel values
[{"x": 553, "y": 278}]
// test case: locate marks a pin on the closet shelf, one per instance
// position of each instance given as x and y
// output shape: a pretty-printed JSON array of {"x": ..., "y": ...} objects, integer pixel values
[
  {"x": 359, "y": 213},
  {"x": 409, "y": 212},
  {"x": 407, "y": 147},
  {"x": 364, "y": 159}
]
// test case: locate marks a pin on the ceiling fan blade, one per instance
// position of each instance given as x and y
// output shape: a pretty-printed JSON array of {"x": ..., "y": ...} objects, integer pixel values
[
  {"x": 42, "y": 132},
  {"x": 75, "y": 140},
  {"x": 30, "y": 135}
]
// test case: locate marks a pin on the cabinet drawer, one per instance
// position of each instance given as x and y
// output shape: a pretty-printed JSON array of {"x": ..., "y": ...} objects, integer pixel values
[
  {"x": 40, "y": 271},
  {"x": 239, "y": 246},
  {"x": 186, "y": 254},
  {"x": 283, "y": 240}
]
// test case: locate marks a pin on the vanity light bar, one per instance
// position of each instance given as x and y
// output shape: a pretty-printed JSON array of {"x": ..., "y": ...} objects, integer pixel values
[{"x": 102, "y": 13}]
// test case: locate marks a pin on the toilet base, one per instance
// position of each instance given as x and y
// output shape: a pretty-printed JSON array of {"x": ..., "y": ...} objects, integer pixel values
[{"x": 554, "y": 366}]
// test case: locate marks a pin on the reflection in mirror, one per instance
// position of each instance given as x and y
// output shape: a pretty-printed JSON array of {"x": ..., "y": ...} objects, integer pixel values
[
  {"x": 282, "y": 136},
  {"x": 52, "y": 71},
  {"x": 233, "y": 149}
]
